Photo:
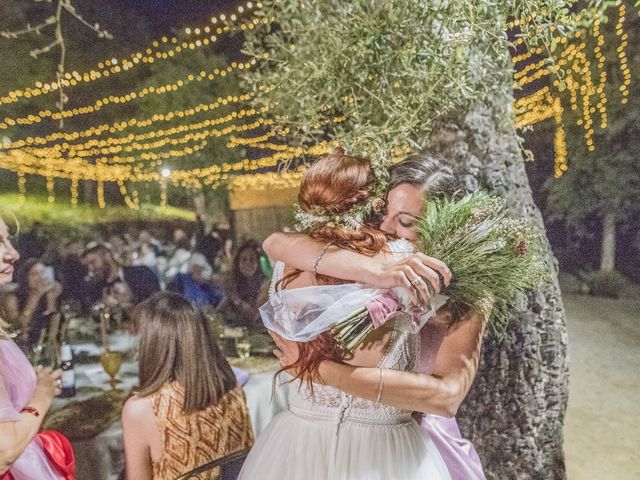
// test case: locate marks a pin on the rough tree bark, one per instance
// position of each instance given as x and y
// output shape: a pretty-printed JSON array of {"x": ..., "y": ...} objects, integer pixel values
[{"x": 515, "y": 410}]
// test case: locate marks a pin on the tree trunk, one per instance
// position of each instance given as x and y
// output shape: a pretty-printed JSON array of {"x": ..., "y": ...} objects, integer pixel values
[
  {"x": 515, "y": 410},
  {"x": 608, "y": 255}
]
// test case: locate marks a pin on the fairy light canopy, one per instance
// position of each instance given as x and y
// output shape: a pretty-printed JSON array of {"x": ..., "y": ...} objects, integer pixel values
[
  {"x": 579, "y": 84},
  {"x": 131, "y": 150}
]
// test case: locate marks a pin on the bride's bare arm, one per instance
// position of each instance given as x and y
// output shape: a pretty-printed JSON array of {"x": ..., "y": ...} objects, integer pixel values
[
  {"x": 440, "y": 393},
  {"x": 301, "y": 252}
]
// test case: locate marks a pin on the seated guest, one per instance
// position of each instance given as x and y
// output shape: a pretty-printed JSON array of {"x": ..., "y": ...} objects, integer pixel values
[
  {"x": 209, "y": 244},
  {"x": 179, "y": 261},
  {"x": 179, "y": 235},
  {"x": 72, "y": 273},
  {"x": 120, "y": 248},
  {"x": 30, "y": 307},
  {"x": 154, "y": 244},
  {"x": 121, "y": 286},
  {"x": 245, "y": 288},
  {"x": 33, "y": 243},
  {"x": 196, "y": 285},
  {"x": 188, "y": 408},
  {"x": 146, "y": 256}
]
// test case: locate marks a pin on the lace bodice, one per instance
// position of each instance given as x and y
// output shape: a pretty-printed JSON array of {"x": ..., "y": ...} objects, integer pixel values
[
  {"x": 333, "y": 405},
  {"x": 330, "y": 404}
]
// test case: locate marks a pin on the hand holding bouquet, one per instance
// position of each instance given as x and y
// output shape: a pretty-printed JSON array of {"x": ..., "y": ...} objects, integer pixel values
[{"x": 493, "y": 258}]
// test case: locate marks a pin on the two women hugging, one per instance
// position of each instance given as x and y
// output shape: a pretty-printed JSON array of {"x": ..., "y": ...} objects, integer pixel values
[{"x": 328, "y": 282}]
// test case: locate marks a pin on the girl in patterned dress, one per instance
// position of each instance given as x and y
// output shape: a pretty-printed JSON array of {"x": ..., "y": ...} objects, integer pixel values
[{"x": 188, "y": 408}]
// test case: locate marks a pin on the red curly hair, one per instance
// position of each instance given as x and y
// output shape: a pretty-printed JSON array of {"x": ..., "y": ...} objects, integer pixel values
[{"x": 335, "y": 184}]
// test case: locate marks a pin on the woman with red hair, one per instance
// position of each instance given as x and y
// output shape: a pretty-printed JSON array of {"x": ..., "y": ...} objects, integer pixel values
[
  {"x": 327, "y": 433},
  {"x": 450, "y": 347}
]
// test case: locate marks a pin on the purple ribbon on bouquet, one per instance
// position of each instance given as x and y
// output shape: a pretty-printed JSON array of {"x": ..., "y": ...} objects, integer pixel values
[{"x": 381, "y": 306}]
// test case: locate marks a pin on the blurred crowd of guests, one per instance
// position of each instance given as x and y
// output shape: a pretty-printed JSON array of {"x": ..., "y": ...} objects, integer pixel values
[
  {"x": 179, "y": 360},
  {"x": 123, "y": 270}
]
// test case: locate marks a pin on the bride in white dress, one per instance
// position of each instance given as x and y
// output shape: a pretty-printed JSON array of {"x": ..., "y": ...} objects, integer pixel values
[{"x": 326, "y": 433}]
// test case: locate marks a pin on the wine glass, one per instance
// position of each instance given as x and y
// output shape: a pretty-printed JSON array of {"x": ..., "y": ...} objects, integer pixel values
[
  {"x": 243, "y": 346},
  {"x": 111, "y": 362}
]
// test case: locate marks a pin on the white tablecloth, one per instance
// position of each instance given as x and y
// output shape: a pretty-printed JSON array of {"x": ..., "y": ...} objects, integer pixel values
[
  {"x": 102, "y": 458},
  {"x": 262, "y": 408}
]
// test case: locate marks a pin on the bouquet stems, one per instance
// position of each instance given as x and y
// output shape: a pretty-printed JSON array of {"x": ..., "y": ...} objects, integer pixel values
[{"x": 351, "y": 331}]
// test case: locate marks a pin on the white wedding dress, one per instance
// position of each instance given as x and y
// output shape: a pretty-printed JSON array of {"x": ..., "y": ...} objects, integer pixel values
[{"x": 329, "y": 434}]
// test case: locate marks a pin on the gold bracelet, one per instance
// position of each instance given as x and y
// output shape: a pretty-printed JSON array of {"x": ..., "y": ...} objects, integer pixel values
[
  {"x": 380, "y": 384},
  {"x": 324, "y": 250}
]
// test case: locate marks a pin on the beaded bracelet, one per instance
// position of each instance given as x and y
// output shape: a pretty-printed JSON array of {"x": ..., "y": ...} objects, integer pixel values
[{"x": 324, "y": 250}]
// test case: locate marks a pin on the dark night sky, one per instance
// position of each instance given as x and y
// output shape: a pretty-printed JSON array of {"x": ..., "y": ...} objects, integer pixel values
[
  {"x": 166, "y": 17},
  {"x": 163, "y": 15}
]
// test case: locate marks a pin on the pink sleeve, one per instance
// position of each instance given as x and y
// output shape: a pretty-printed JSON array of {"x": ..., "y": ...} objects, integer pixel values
[
  {"x": 17, "y": 381},
  {"x": 8, "y": 412}
]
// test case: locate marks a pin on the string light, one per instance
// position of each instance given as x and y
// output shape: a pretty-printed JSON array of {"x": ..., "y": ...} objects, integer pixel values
[
  {"x": 559, "y": 139},
  {"x": 111, "y": 67},
  {"x": 532, "y": 66},
  {"x": 586, "y": 92},
  {"x": 268, "y": 181},
  {"x": 213, "y": 176},
  {"x": 119, "y": 126},
  {"x": 527, "y": 55},
  {"x": 541, "y": 105},
  {"x": 62, "y": 167},
  {"x": 80, "y": 169},
  {"x": 601, "y": 105},
  {"x": 532, "y": 78},
  {"x": 100, "y": 171},
  {"x": 129, "y": 97},
  {"x": 50, "y": 189},
  {"x": 115, "y": 145},
  {"x": 131, "y": 201},
  {"x": 22, "y": 187},
  {"x": 235, "y": 142},
  {"x": 109, "y": 175},
  {"x": 260, "y": 141},
  {"x": 278, "y": 147},
  {"x": 624, "y": 68},
  {"x": 100, "y": 190},
  {"x": 209, "y": 175},
  {"x": 74, "y": 192}
]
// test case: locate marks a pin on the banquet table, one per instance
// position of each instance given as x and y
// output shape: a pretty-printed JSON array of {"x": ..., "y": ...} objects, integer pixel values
[{"x": 101, "y": 457}]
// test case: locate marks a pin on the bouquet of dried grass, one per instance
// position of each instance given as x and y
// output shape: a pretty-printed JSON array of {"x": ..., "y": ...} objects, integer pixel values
[{"x": 493, "y": 258}]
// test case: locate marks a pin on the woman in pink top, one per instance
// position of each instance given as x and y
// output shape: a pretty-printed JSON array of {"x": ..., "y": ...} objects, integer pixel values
[{"x": 25, "y": 398}]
